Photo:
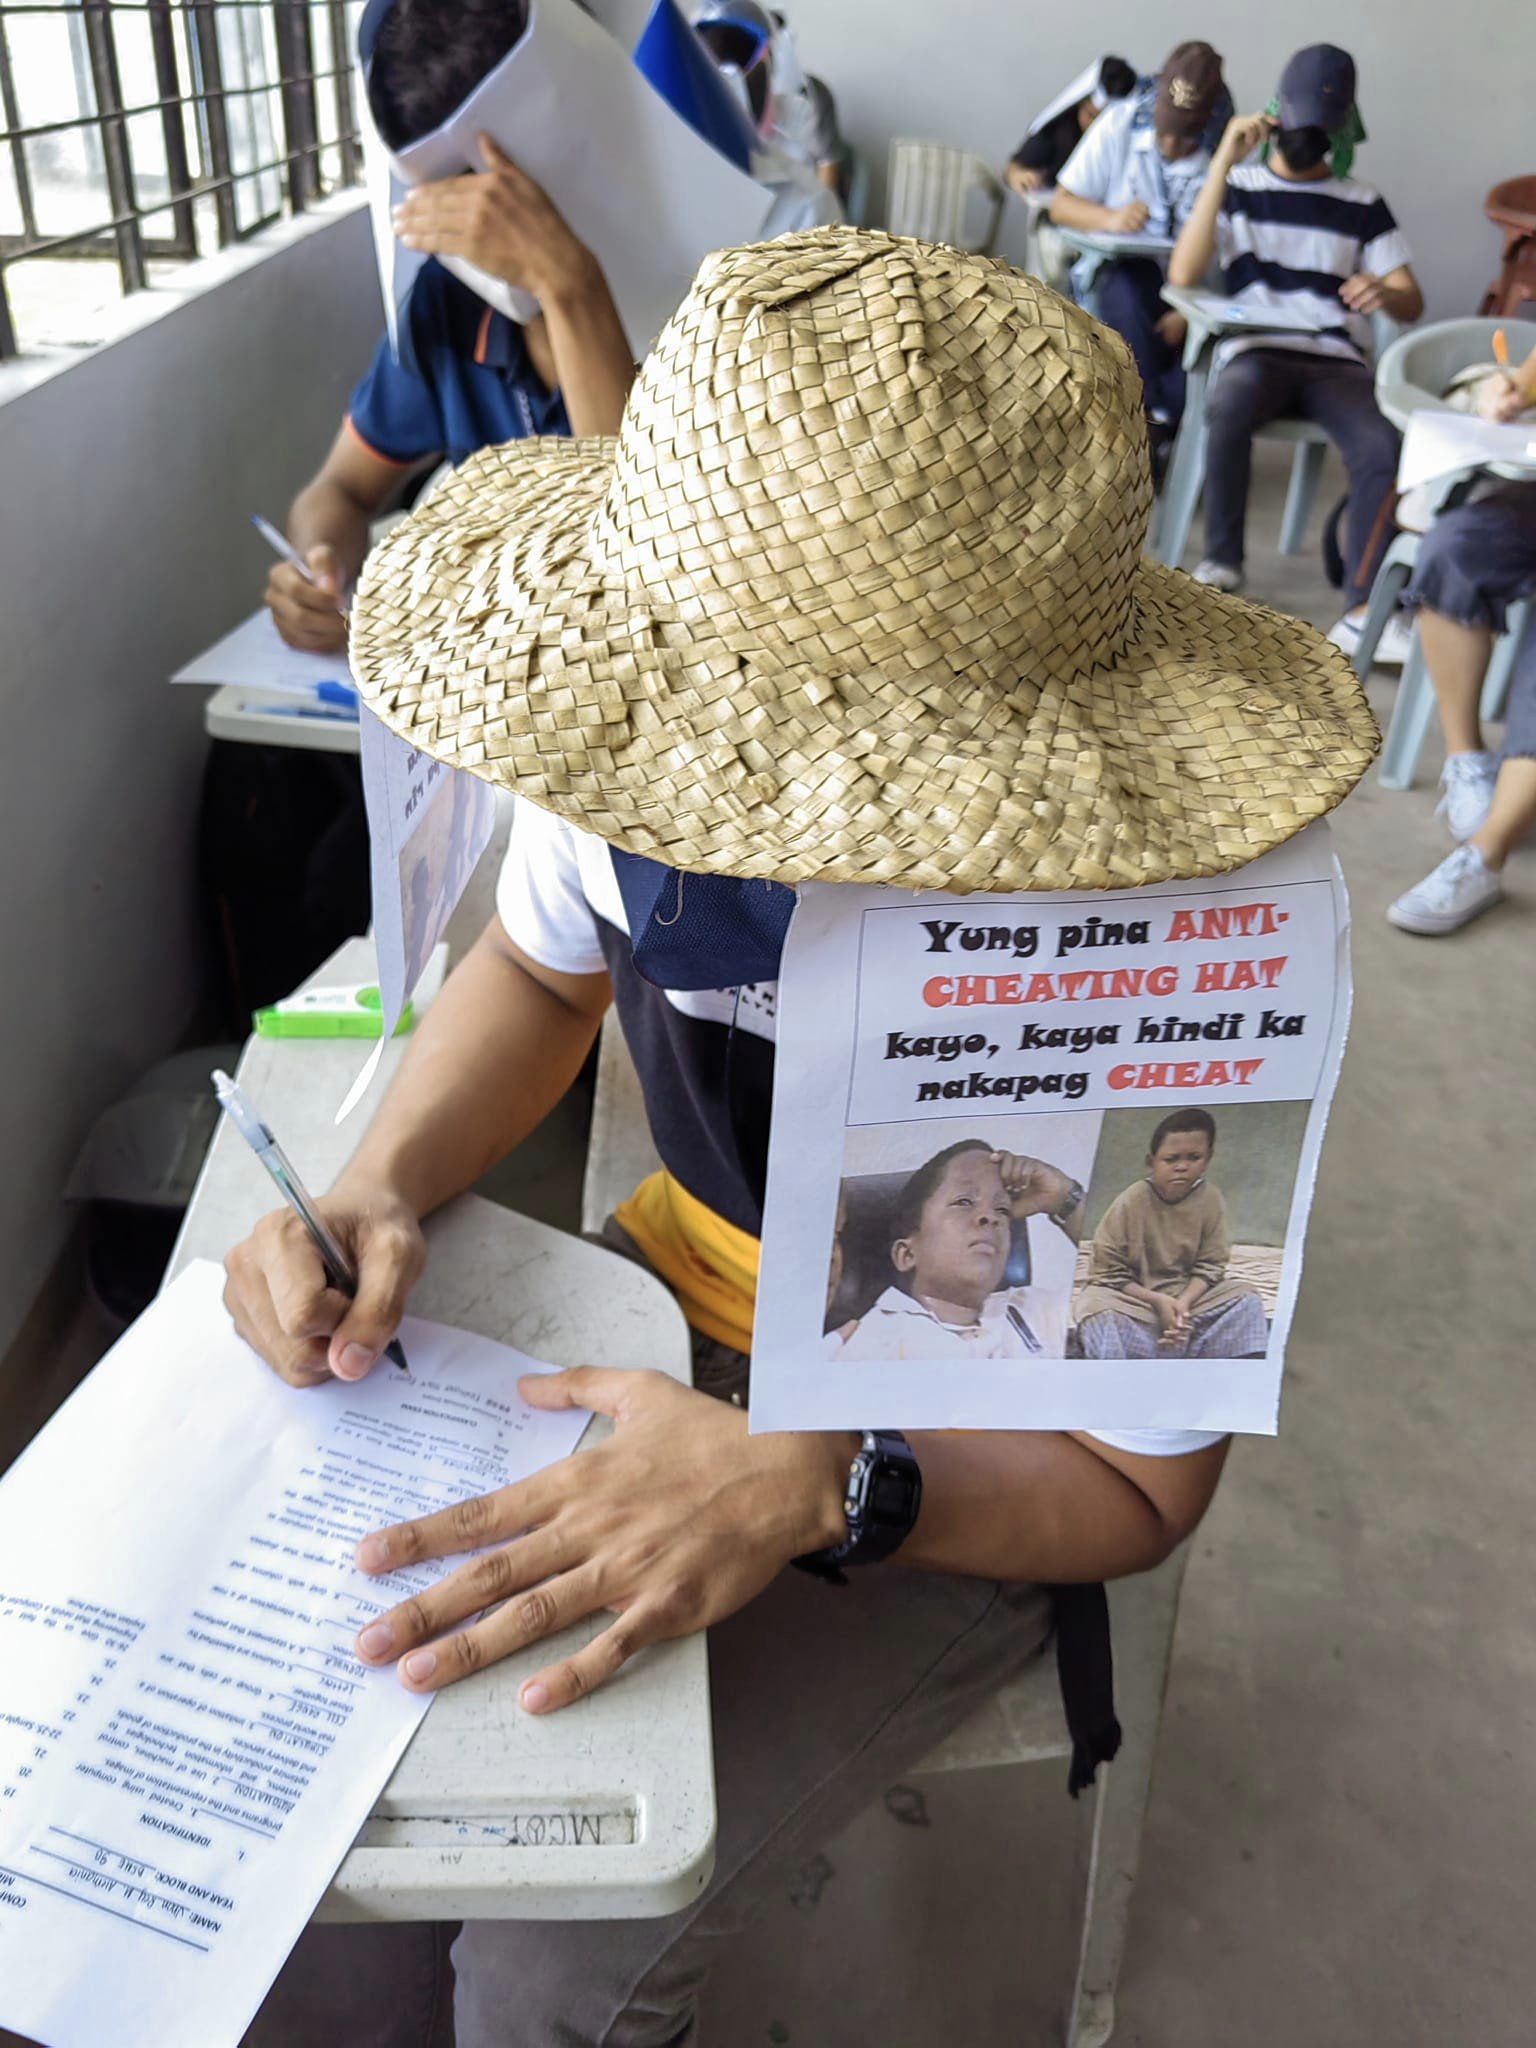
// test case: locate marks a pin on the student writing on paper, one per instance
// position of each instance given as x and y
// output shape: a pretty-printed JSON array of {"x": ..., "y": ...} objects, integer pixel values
[
  {"x": 466, "y": 374},
  {"x": 1138, "y": 171},
  {"x": 1055, "y": 132},
  {"x": 1476, "y": 560},
  {"x": 702, "y": 692},
  {"x": 1295, "y": 233},
  {"x": 950, "y": 1236},
  {"x": 1157, "y": 1278}
]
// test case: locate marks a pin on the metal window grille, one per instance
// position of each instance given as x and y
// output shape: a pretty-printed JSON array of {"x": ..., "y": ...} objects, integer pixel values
[{"x": 140, "y": 133}]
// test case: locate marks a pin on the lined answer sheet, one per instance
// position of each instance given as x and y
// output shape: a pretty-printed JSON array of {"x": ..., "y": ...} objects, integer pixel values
[{"x": 188, "y": 1744}]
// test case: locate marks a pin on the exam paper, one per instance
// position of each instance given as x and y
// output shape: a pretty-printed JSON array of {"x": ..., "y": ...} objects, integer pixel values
[
  {"x": 187, "y": 1743},
  {"x": 255, "y": 656},
  {"x": 1437, "y": 444}
]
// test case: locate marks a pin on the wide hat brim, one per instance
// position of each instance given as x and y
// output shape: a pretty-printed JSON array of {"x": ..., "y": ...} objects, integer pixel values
[{"x": 484, "y": 635}]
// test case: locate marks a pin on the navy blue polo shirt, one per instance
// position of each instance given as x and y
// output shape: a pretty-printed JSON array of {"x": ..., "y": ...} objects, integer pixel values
[{"x": 464, "y": 380}]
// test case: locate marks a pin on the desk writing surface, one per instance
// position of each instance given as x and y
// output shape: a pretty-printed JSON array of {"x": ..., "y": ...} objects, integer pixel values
[
  {"x": 1092, "y": 243},
  {"x": 233, "y": 712},
  {"x": 605, "y": 1810}
]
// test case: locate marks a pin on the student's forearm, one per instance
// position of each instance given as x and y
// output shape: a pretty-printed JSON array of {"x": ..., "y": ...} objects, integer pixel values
[
  {"x": 326, "y": 515},
  {"x": 1195, "y": 1291},
  {"x": 1147, "y": 1296},
  {"x": 1086, "y": 215},
  {"x": 594, "y": 365},
  {"x": 1196, "y": 244},
  {"x": 1041, "y": 1506},
  {"x": 493, "y": 1055}
]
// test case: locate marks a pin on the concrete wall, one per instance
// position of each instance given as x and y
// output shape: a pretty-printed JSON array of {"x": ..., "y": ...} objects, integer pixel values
[
  {"x": 126, "y": 482},
  {"x": 1446, "y": 93}
]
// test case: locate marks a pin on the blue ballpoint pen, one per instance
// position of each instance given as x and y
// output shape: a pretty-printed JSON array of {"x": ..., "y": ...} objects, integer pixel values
[{"x": 338, "y": 1267}]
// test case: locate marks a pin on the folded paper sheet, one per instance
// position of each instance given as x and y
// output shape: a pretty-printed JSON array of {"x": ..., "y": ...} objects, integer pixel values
[{"x": 188, "y": 1744}]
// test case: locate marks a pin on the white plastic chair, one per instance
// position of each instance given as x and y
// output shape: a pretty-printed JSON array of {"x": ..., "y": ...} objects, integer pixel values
[
  {"x": 1411, "y": 377},
  {"x": 940, "y": 194},
  {"x": 1185, "y": 484},
  {"x": 1022, "y": 1722}
]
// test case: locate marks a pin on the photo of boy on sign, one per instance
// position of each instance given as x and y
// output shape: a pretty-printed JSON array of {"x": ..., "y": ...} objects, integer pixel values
[
  {"x": 1159, "y": 1284},
  {"x": 945, "y": 1250}
]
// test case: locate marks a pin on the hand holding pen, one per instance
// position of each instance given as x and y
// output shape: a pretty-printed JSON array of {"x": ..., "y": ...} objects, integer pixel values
[
  {"x": 294, "y": 1289},
  {"x": 305, "y": 593}
]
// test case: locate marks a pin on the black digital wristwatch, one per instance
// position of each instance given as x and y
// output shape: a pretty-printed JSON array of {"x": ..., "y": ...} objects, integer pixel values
[{"x": 881, "y": 1500}]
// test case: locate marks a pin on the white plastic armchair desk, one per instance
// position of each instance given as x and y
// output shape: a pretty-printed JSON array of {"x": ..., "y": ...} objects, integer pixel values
[
  {"x": 606, "y": 1810},
  {"x": 1095, "y": 250},
  {"x": 1411, "y": 376},
  {"x": 1022, "y": 1723},
  {"x": 1211, "y": 317}
]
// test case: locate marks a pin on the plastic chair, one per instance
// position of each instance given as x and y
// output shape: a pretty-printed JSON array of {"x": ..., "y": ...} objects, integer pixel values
[
  {"x": 1022, "y": 1722},
  {"x": 940, "y": 194},
  {"x": 1512, "y": 207},
  {"x": 1410, "y": 377},
  {"x": 1185, "y": 484},
  {"x": 1415, "y": 705}
]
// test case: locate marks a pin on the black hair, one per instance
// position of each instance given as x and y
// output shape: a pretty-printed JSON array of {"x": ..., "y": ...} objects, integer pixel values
[
  {"x": 1117, "y": 79},
  {"x": 1302, "y": 148},
  {"x": 907, "y": 1216},
  {"x": 1183, "y": 1120},
  {"x": 430, "y": 55},
  {"x": 729, "y": 43}
]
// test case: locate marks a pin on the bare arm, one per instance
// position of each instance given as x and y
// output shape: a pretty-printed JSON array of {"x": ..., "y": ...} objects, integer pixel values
[
  {"x": 1397, "y": 294},
  {"x": 1052, "y": 1508},
  {"x": 328, "y": 523},
  {"x": 506, "y": 224},
  {"x": 1195, "y": 249},
  {"x": 492, "y": 1057},
  {"x": 1088, "y": 217}
]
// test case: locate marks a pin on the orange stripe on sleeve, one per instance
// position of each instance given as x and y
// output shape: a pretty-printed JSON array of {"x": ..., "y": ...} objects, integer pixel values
[{"x": 378, "y": 454}]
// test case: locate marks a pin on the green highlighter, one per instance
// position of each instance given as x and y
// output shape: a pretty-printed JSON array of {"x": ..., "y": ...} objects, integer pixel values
[{"x": 349, "y": 1010}]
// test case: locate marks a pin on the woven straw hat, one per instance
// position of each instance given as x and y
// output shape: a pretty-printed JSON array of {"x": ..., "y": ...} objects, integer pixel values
[{"x": 858, "y": 596}]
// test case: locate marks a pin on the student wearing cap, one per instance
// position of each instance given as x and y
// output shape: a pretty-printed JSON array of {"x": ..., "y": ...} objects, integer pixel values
[
  {"x": 1138, "y": 170},
  {"x": 1297, "y": 236},
  {"x": 465, "y": 374},
  {"x": 765, "y": 638},
  {"x": 1056, "y": 131}
]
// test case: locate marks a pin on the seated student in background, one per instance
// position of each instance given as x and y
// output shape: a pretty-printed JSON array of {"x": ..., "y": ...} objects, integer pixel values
[
  {"x": 1139, "y": 170},
  {"x": 1053, "y": 134},
  {"x": 1475, "y": 561},
  {"x": 740, "y": 35},
  {"x": 1296, "y": 236},
  {"x": 1157, "y": 1278},
  {"x": 467, "y": 377},
  {"x": 804, "y": 111},
  {"x": 951, "y": 1233}
]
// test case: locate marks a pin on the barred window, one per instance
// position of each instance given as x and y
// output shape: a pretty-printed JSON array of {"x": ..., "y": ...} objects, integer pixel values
[{"x": 138, "y": 134}]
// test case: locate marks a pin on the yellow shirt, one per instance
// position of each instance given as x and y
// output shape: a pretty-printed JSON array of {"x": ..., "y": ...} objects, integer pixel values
[{"x": 709, "y": 1264}]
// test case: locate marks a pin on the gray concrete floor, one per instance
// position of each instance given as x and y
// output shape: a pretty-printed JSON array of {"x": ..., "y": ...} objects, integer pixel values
[{"x": 1343, "y": 1818}]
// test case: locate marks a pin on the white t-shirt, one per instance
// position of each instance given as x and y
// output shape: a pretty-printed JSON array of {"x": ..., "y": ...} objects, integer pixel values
[
  {"x": 1015, "y": 1322},
  {"x": 1118, "y": 160},
  {"x": 556, "y": 890}
]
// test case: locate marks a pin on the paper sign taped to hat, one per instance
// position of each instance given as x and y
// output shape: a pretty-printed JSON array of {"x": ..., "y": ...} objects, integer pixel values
[
  {"x": 1054, "y": 1168},
  {"x": 648, "y": 196},
  {"x": 427, "y": 828}
]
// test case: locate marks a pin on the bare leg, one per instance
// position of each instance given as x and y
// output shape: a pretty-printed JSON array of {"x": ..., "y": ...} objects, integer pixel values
[
  {"x": 1513, "y": 812},
  {"x": 1456, "y": 657}
]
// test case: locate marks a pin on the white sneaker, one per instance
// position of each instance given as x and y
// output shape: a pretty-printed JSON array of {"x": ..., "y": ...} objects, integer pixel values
[
  {"x": 1461, "y": 888},
  {"x": 1396, "y": 642},
  {"x": 1391, "y": 649},
  {"x": 1219, "y": 576},
  {"x": 1466, "y": 792}
]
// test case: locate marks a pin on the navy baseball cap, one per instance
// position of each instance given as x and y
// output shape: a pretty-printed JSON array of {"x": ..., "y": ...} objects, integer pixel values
[{"x": 1317, "y": 88}]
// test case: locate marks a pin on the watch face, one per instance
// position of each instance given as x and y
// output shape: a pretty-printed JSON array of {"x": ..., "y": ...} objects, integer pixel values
[{"x": 890, "y": 1495}]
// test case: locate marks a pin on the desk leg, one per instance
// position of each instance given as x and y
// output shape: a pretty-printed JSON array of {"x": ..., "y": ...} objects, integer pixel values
[{"x": 1186, "y": 474}]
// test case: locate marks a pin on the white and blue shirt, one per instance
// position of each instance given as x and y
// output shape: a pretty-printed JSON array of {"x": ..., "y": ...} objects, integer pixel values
[
  {"x": 1286, "y": 245},
  {"x": 1118, "y": 160}
]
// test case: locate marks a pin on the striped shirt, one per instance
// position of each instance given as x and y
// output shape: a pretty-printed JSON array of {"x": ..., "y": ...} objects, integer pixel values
[{"x": 1285, "y": 247}]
